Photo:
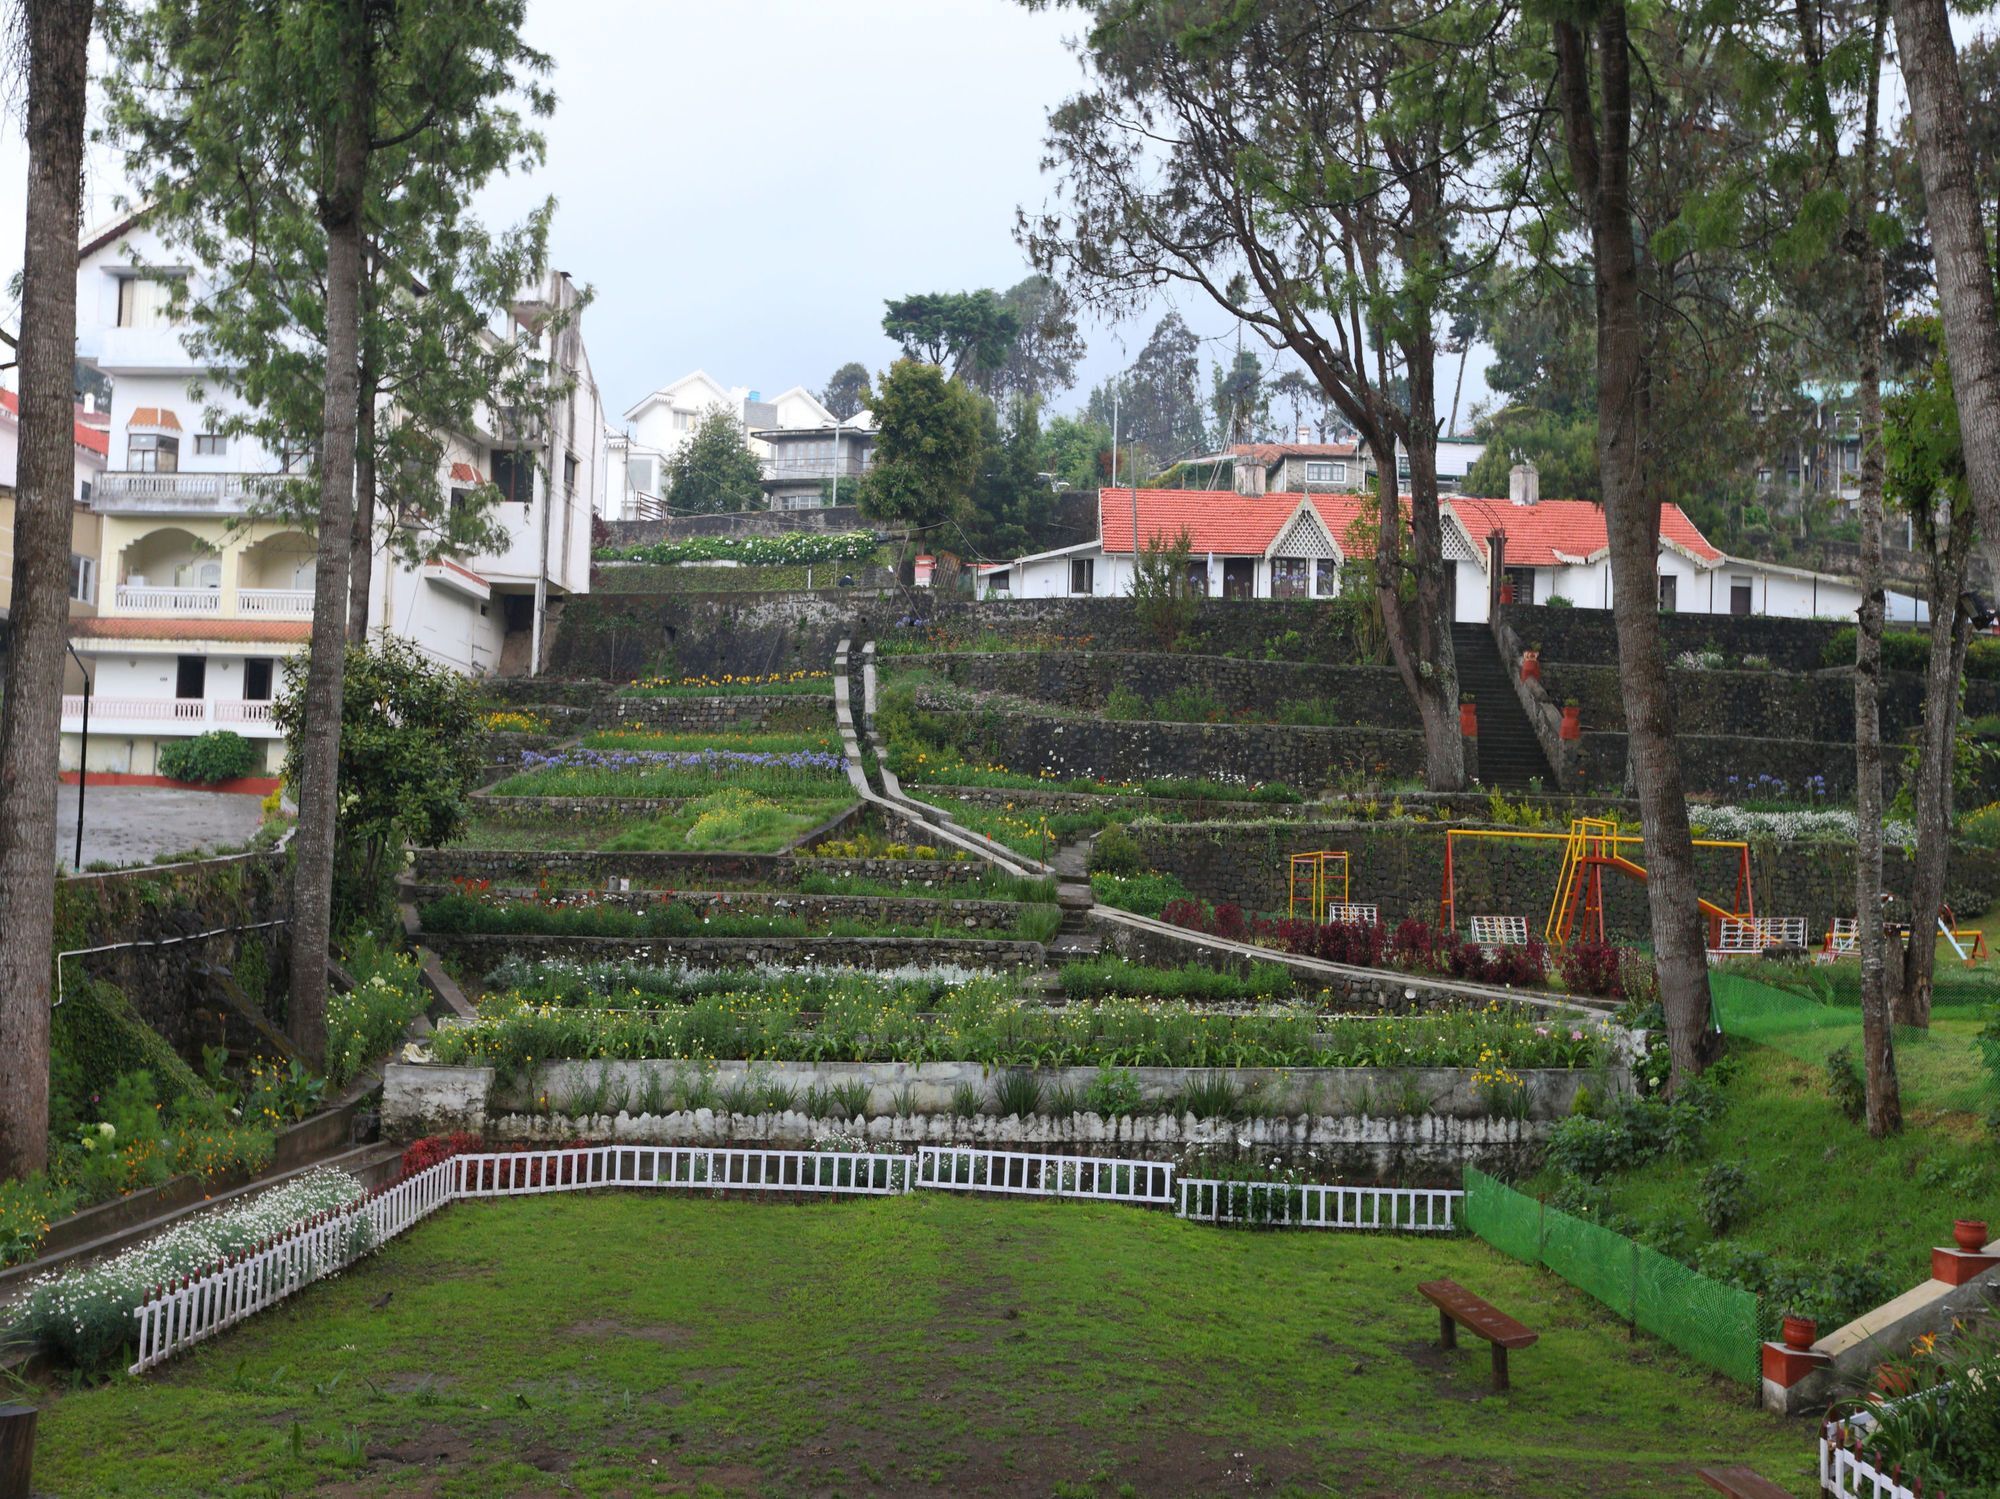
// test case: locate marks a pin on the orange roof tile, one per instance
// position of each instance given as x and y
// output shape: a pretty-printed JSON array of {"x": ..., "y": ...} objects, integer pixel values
[
  {"x": 154, "y": 416},
  {"x": 129, "y": 627},
  {"x": 465, "y": 473},
  {"x": 1219, "y": 521},
  {"x": 1551, "y": 533}
]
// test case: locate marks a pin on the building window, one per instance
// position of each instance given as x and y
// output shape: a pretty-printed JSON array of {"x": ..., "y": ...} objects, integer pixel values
[
  {"x": 1523, "y": 580},
  {"x": 295, "y": 459},
  {"x": 190, "y": 677},
  {"x": 150, "y": 453},
  {"x": 1739, "y": 595},
  {"x": 1326, "y": 580},
  {"x": 1319, "y": 473},
  {"x": 1402, "y": 466},
  {"x": 569, "y": 472},
  {"x": 1291, "y": 577},
  {"x": 83, "y": 578},
  {"x": 83, "y": 491},
  {"x": 683, "y": 421},
  {"x": 257, "y": 673},
  {"x": 514, "y": 474},
  {"x": 210, "y": 445},
  {"x": 1669, "y": 592},
  {"x": 1197, "y": 578},
  {"x": 1083, "y": 575},
  {"x": 146, "y": 301}
]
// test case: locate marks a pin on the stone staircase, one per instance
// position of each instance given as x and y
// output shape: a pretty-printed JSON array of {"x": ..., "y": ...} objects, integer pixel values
[{"x": 1509, "y": 753}]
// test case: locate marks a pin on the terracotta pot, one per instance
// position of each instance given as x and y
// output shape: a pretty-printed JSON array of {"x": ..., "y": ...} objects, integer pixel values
[
  {"x": 1894, "y": 1380},
  {"x": 1468, "y": 720},
  {"x": 1531, "y": 666},
  {"x": 1572, "y": 724},
  {"x": 1800, "y": 1333},
  {"x": 1969, "y": 1234},
  {"x": 1506, "y": 593}
]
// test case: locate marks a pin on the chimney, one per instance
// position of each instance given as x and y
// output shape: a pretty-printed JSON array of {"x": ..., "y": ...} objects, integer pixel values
[
  {"x": 90, "y": 403},
  {"x": 1305, "y": 432},
  {"x": 1524, "y": 484}
]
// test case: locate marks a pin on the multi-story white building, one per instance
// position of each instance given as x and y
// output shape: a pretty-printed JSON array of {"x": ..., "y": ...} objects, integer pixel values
[
  {"x": 203, "y": 594},
  {"x": 798, "y": 441}
]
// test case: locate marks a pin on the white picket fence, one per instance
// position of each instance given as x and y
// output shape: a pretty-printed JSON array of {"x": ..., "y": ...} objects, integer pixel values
[
  {"x": 197, "y": 1307},
  {"x": 1105, "y": 1178},
  {"x": 1843, "y": 1471},
  {"x": 1405, "y": 1209}
]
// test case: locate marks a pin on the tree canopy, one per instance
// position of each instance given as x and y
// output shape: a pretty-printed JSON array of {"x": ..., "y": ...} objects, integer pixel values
[
  {"x": 929, "y": 440},
  {"x": 846, "y": 390},
  {"x": 714, "y": 471},
  {"x": 968, "y": 334}
]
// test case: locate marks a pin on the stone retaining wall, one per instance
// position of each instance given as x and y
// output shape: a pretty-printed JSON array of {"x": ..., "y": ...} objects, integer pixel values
[
  {"x": 1399, "y": 867},
  {"x": 971, "y": 915},
  {"x": 1360, "y": 695},
  {"x": 1304, "y": 758},
  {"x": 1792, "y": 645},
  {"x": 1816, "y": 705},
  {"x": 480, "y": 954},
  {"x": 733, "y": 713}
]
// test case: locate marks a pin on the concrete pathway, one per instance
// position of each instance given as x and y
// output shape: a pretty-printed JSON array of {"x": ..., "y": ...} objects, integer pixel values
[{"x": 137, "y": 824}]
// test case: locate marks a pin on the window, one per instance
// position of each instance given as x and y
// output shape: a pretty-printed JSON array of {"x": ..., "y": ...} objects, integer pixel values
[
  {"x": 683, "y": 421},
  {"x": 1290, "y": 577},
  {"x": 1739, "y": 595},
  {"x": 1326, "y": 581},
  {"x": 1402, "y": 466},
  {"x": 146, "y": 301},
  {"x": 460, "y": 498},
  {"x": 190, "y": 677},
  {"x": 514, "y": 473},
  {"x": 210, "y": 445},
  {"x": 1197, "y": 577},
  {"x": 83, "y": 491},
  {"x": 1083, "y": 575},
  {"x": 83, "y": 578},
  {"x": 295, "y": 460},
  {"x": 1319, "y": 473},
  {"x": 1669, "y": 592},
  {"x": 1523, "y": 581},
  {"x": 257, "y": 679},
  {"x": 569, "y": 472},
  {"x": 639, "y": 474},
  {"x": 150, "y": 453}
]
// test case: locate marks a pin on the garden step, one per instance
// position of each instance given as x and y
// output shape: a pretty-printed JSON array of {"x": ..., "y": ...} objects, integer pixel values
[
  {"x": 1510, "y": 754},
  {"x": 1075, "y": 945},
  {"x": 1075, "y": 897}
]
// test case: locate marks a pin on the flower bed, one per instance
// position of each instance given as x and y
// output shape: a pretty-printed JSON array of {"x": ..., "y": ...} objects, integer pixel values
[
  {"x": 728, "y": 684},
  {"x": 594, "y": 914},
  {"x": 797, "y": 547},
  {"x": 587, "y": 770},
  {"x": 983, "y": 1022},
  {"x": 82, "y": 1317}
]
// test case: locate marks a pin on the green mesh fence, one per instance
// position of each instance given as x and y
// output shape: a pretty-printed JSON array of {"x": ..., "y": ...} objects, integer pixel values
[
  {"x": 1812, "y": 1011},
  {"x": 1716, "y": 1324}
]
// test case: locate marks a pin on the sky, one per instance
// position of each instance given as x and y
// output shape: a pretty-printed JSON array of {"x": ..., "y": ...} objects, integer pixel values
[{"x": 745, "y": 185}]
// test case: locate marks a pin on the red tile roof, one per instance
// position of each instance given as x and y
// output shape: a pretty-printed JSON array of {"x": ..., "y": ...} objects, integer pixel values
[
  {"x": 92, "y": 439},
  {"x": 465, "y": 473},
  {"x": 1553, "y": 532},
  {"x": 128, "y": 627},
  {"x": 1548, "y": 534},
  {"x": 154, "y": 416},
  {"x": 1219, "y": 521}
]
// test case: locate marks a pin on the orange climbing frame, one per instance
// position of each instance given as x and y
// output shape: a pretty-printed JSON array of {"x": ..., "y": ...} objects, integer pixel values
[{"x": 1591, "y": 846}]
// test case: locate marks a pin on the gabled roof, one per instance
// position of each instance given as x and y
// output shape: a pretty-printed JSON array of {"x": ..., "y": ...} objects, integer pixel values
[
  {"x": 1270, "y": 452},
  {"x": 1568, "y": 533},
  {"x": 716, "y": 394},
  {"x": 90, "y": 439},
  {"x": 1220, "y": 521}
]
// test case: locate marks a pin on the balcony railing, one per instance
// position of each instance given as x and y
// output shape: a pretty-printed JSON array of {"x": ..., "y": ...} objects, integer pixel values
[
  {"x": 145, "y": 598},
  {"x": 180, "y": 494},
  {"x": 190, "y": 711},
  {"x": 283, "y": 603},
  {"x": 813, "y": 468}
]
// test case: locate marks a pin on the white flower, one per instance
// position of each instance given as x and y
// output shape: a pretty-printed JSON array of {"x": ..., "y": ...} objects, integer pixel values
[{"x": 108, "y": 1130}]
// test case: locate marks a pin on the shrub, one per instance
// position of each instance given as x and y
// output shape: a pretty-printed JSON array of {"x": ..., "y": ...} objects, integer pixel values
[
  {"x": 1125, "y": 705},
  {"x": 1844, "y": 1084},
  {"x": 420, "y": 1155},
  {"x": 1144, "y": 894},
  {"x": 209, "y": 759},
  {"x": 1725, "y": 1194},
  {"x": 1591, "y": 968},
  {"x": 1112, "y": 1093},
  {"x": 1115, "y": 852}
]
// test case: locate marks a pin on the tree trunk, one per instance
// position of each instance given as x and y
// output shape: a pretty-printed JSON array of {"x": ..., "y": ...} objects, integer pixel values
[
  {"x": 313, "y": 845},
  {"x": 1429, "y": 673},
  {"x": 1951, "y": 630},
  {"x": 1958, "y": 246},
  {"x": 1600, "y": 161},
  {"x": 58, "y": 46},
  {"x": 1885, "y": 1100},
  {"x": 361, "y": 555}
]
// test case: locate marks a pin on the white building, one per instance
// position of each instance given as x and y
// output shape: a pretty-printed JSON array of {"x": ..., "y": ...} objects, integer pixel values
[
  {"x": 204, "y": 596},
  {"x": 794, "y": 421},
  {"x": 1295, "y": 546}
]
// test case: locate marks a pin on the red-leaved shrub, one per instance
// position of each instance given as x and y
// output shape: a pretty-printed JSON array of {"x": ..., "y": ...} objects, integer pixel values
[
  {"x": 1192, "y": 914},
  {"x": 1230, "y": 922},
  {"x": 1589, "y": 967}
]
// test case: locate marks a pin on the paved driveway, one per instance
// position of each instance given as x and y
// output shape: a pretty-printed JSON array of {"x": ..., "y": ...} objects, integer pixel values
[{"x": 136, "y": 824}]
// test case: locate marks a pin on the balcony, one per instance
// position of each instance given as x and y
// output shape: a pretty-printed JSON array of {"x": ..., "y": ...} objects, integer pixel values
[
  {"x": 145, "y": 598},
  {"x": 182, "y": 494},
  {"x": 171, "y": 714},
  {"x": 794, "y": 470}
]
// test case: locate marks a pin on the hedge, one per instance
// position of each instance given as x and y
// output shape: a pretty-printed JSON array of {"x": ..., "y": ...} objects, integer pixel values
[
  {"x": 1910, "y": 650},
  {"x": 793, "y": 548}
]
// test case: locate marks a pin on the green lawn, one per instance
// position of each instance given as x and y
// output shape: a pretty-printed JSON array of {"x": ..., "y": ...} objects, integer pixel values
[{"x": 627, "y": 1344}]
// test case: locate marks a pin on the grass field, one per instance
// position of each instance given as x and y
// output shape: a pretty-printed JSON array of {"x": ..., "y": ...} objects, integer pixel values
[{"x": 639, "y": 1344}]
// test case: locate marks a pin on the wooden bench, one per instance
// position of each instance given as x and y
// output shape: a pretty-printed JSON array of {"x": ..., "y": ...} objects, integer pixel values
[
  {"x": 1741, "y": 1483},
  {"x": 1459, "y": 1307}
]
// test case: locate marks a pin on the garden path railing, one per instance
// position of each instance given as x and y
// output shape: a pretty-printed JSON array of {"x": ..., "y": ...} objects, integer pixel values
[{"x": 197, "y": 1307}]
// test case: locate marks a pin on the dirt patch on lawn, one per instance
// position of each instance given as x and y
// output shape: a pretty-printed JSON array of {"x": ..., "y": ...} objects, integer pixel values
[
  {"x": 663, "y": 1334},
  {"x": 1462, "y": 1373}
]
